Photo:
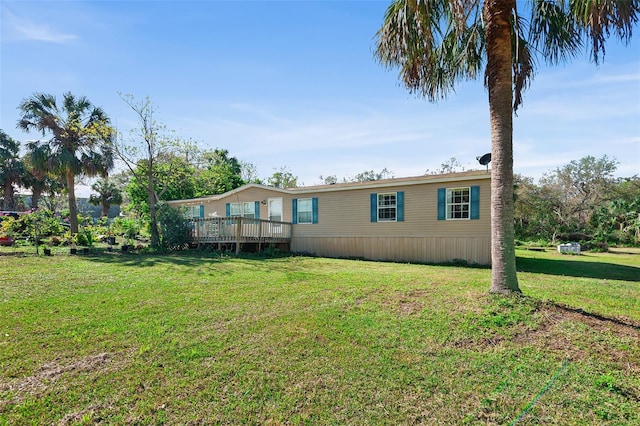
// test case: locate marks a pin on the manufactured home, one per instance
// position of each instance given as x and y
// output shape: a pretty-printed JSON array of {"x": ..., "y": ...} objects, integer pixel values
[{"x": 426, "y": 219}]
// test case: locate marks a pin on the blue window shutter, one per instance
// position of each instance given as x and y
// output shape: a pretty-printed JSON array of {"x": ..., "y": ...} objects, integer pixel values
[
  {"x": 257, "y": 208},
  {"x": 374, "y": 207},
  {"x": 295, "y": 210},
  {"x": 475, "y": 203},
  {"x": 314, "y": 203},
  {"x": 201, "y": 211},
  {"x": 442, "y": 203},
  {"x": 228, "y": 210},
  {"x": 400, "y": 206}
]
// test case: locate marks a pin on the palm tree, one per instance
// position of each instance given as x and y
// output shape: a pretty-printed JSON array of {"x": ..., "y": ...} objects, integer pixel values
[
  {"x": 108, "y": 195},
  {"x": 36, "y": 162},
  {"x": 437, "y": 43},
  {"x": 81, "y": 141},
  {"x": 11, "y": 169}
]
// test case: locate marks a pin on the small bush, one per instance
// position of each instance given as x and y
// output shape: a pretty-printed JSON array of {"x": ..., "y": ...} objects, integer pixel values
[
  {"x": 84, "y": 238},
  {"x": 175, "y": 230}
]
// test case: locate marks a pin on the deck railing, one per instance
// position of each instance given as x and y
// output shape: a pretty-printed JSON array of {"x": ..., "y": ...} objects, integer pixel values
[{"x": 239, "y": 230}]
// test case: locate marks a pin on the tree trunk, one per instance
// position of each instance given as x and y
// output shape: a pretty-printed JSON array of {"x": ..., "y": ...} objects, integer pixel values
[
  {"x": 36, "y": 194},
  {"x": 105, "y": 209},
  {"x": 151, "y": 197},
  {"x": 498, "y": 15},
  {"x": 9, "y": 202},
  {"x": 73, "y": 208}
]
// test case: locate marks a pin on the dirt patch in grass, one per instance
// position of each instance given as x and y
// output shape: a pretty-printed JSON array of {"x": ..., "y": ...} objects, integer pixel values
[
  {"x": 570, "y": 333},
  {"x": 551, "y": 333},
  {"x": 405, "y": 303},
  {"x": 48, "y": 373}
]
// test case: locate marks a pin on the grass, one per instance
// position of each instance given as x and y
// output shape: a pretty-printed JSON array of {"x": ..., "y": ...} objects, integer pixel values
[{"x": 192, "y": 339}]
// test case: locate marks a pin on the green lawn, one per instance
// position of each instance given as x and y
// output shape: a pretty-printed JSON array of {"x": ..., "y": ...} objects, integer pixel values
[{"x": 192, "y": 339}]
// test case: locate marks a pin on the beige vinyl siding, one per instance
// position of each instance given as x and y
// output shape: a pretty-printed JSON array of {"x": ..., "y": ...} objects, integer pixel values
[
  {"x": 399, "y": 249},
  {"x": 345, "y": 229},
  {"x": 347, "y": 213}
]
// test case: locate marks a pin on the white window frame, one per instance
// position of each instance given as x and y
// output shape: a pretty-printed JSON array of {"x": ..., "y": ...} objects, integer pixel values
[
  {"x": 456, "y": 205},
  {"x": 394, "y": 206},
  {"x": 309, "y": 210},
  {"x": 243, "y": 209},
  {"x": 192, "y": 212}
]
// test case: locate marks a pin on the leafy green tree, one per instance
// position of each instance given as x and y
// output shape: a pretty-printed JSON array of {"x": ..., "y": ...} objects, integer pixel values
[
  {"x": 618, "y": 220},
  {"x": 173, "y": 178},
  {"x": 535, "y": 215},
  {"x": 328, "y": 180},
  {"x": 81, "y": 141},
  {"x": 178, "y": 177},
  {"x": 108, "y": 194},
  {"x": 249, "y": 173},
  {"x": 370, "y": 176},
  {"x": 220, "y": 173},
  {"x": 11, "y": 169},
  {"x": 283, "y": 178},
  {"x": 438, "y": 43},
  {"x": 146, "y": 145},
  {"x": 580, "y": 187}
]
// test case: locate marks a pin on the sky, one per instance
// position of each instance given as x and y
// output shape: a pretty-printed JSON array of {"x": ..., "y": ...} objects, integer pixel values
[{"x": 295, "y": 84}]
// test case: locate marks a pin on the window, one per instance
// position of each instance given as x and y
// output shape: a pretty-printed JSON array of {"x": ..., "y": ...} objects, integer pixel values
[
  {"x": 247, "y": 210},
  {"x": 194, "y": 212},
  {"x": 305, "y": 210},
  {"x": 387, "y": 207},
  {"x": 458, "y": 203}
]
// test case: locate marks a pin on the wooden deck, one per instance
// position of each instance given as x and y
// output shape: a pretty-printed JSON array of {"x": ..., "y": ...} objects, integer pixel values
[{"x": 238, "y": 231}]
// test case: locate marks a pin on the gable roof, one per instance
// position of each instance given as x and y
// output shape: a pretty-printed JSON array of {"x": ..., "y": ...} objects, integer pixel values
[{"x": 346, "y": 186}]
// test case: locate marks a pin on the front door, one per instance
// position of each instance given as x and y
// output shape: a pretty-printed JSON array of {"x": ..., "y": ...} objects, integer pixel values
[{"x": 275, "y": 209}]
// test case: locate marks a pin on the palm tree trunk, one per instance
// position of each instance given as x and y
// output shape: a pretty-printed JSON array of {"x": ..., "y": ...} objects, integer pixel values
[
  {"x": 498, "y": 15},
  {"x": 36, "y": 194},
  {"x": 9, "y": 201},
  {"x": 73, "y": 207}
]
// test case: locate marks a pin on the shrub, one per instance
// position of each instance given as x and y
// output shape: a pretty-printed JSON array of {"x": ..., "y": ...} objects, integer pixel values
[
  {"x": 175, "y": 230},
  {"x": 125, "y": 227}
]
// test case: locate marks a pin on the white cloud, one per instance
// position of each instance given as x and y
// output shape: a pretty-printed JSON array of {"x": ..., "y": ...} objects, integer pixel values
[{"x": 22, "y": 29}]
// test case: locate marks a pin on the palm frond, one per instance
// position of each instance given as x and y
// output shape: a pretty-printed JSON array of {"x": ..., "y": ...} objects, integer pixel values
[
  {"x": 433, "y": 43},
  {"x": 554, "y": 31},
  {"x": 600, "y": 18},
  {"x": 523, "y": 61}
]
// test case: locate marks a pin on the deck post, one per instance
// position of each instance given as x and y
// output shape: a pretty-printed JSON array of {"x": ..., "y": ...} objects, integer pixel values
[{"x": 238, "y": 234}]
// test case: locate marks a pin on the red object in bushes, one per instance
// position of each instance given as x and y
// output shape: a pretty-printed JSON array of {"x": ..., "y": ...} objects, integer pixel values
[{"x": 6, "y": 241}]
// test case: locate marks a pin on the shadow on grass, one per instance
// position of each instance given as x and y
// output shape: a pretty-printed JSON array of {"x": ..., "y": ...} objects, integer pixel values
[
  {"x": 622, "y": 322},
  {"x": 582, "y": 269},
  {"x": 189, "y": 258}
]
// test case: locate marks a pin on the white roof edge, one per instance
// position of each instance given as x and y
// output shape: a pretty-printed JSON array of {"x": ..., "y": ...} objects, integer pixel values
[
  {"x": 229, "y": 193},
  {"x": 388, "y": 184}
]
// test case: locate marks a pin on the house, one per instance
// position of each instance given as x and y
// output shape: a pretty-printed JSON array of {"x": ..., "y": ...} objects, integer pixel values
[{"x": 427, "y": 219}]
